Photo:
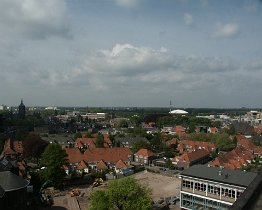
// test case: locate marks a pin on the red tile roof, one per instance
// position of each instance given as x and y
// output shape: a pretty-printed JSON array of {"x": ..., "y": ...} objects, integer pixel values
[
  {"x": 82, "y": 165},
  {"x": 101, "y": 165},
  {"x": 145, "y": 153},
  {"x": 236, "y": 158},
  {"x": 190, "y": 145},
  {"x": 120, "y": 164},
  {"x": 108, "y": 154},
  {"x": 190, "y": 157},
  {"x": 74, "y": 155},
  {"x": 13, "y": 147},
  {"x": 173, "y": 141}
]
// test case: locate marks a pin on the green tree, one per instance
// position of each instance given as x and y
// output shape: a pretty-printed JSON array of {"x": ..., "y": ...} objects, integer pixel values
[
  {"x": 99, "y": 200},
  {"x": 99, "y": 140},
  {"x": 122, "y": 194},
  {"x": 122, "y": 123},
  {"x": 77, "y": 135},
  {"x": 34, "y": 146},
  {"x": 54, "y": 158},
  {"x": 140, "y": 144}
]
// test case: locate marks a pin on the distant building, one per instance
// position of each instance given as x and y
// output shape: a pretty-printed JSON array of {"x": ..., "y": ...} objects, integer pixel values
[
  {"x": 21, "y": 110},
  {"x": 3, "y": 107},
  {"x": 205, "y": 187},
  {"x": 178, "y": 112}
]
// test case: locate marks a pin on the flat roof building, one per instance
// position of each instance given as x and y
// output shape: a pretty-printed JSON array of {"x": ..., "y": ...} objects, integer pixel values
[{"x": 213, "y": 188}]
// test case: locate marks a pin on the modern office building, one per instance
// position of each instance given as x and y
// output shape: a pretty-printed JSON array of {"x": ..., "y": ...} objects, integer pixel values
[{"x": 212, "y": 188}]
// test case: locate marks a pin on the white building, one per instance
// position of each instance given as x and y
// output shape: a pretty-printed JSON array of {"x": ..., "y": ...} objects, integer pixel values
[{"x": 213, "y": 188}]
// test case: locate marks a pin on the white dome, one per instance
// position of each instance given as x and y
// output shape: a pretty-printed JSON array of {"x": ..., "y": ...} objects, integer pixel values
[{"x": 178, "y": 111}]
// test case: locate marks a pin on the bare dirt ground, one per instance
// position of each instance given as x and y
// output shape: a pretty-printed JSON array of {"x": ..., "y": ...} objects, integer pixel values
[{"x": 162, "y": 186}]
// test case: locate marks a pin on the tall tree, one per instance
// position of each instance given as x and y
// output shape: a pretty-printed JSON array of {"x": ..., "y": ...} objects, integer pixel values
[
  {"x": 99, "y": 140},
  {"x": 54, "y": 158},
  {"x": 122, "y": 194},
  {"x": 34, "y": 146}
]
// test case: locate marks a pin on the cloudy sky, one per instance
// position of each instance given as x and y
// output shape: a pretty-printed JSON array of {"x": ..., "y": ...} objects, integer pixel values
[{"x": 197, "y": 53}]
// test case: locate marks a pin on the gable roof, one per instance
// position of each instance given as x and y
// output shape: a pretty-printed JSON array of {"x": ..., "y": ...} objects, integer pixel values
[
  {"x": 101, "y": 165},
  {"x": 13, "y": 147},
  {"x": 108, "y": 154},
  {"x": 193, "y": 156},
  {"x": 172, "y": 141},
  {"x": 82, "y": 165},
  {"x": 145, "y": 153},
  {"x": 196, "y": 145},
  {"x": 120, "y": 164},
  {"x": 74, "y": 155}
]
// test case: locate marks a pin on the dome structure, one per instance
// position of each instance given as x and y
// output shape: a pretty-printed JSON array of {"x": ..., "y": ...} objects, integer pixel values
[{"x": 178, "y": 112}]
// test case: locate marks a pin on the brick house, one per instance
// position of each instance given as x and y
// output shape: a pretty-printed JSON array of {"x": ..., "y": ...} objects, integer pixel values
[{"x": 144, "y": 156}]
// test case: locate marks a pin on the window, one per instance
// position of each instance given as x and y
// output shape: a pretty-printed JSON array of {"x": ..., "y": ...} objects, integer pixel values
[
  {"x": 227, "y": 192},
  {"x": 217, "y": 190},
  {"x": 211, "y": 189},
  {"x": 188, "y": 184},
  {"x": 200, "y": 186}
]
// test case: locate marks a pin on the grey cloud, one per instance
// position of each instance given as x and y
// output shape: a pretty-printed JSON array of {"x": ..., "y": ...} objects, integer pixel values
[
  {"x": 255, "y": 64},
  {"x": 140, "y": 66},
  {"x": 34, "y": 19}
]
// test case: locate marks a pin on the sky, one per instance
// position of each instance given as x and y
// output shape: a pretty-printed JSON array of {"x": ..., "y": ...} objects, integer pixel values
[{"x": 142, "y": 53}]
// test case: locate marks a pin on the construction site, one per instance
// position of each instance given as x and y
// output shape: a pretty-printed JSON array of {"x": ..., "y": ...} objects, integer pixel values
[{"x": 77, "y": 198}]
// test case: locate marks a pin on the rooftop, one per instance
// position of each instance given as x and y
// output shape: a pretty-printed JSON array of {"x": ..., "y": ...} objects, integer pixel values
[
  {"x": 10, "y": 182},
  {"x": 233, "y": 177}
]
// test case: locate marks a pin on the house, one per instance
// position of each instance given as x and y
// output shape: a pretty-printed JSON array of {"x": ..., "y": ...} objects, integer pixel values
[
  {"x": 13, "y": 148},
  {"x": 144, "y": 156},
  {"x": 187, "y": 159},
  {"x": 101, "y": 165},
  {"x": 84, "y": 143},
  {"x": 172, "y": 142},
  {"x": 205, "y": 187},
  {"x": 129, "y": 141},
  {"x": 82, "y": 167},
  {"x": 92, "y": 157},
  {"x": 190, "y": 145},
  {"x": 212, "y": 130},
  {"x": 13, "y": 191},
  {"x": 234, "y": 159},
  {"x": 120, "y": 165}
]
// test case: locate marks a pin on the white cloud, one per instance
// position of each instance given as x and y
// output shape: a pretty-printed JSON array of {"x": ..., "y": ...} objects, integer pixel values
[
  {"x": 37, "y": 19},
  {"x": 188, "y": 19},
  {"x": 130, "y": 4},
  {"x": 132, "y": 67},
  {"x": 226, "y": 30}
]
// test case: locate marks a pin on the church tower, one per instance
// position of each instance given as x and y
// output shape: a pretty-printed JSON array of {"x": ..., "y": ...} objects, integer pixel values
[{"x": 21, "y": 110}]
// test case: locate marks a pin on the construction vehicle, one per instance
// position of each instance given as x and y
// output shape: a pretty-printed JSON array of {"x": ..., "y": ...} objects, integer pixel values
[
  {"x": 74, "y": 192},
  {"x": 98, "y": 182}
]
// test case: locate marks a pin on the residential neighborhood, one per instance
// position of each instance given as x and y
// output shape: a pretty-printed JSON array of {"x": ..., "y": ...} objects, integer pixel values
[{"x": 126, "y": 148}]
